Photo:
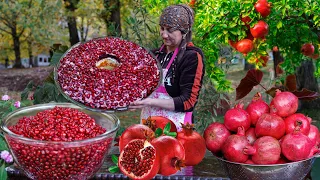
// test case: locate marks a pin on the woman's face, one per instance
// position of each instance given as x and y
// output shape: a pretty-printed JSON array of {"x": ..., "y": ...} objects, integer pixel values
[{"x": 171, "y": 38}]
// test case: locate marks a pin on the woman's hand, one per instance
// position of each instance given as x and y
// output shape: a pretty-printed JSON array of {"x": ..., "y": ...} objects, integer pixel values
[{"x": 151, "y": 102}]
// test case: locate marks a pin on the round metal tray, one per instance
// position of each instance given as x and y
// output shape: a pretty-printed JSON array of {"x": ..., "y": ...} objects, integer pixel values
[{"x": 100, "y": 109}]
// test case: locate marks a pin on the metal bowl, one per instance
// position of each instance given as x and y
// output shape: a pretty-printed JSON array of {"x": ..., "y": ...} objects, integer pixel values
[
  {"x": 93, "y": 108},
  {"x": 288, "y": 171}
]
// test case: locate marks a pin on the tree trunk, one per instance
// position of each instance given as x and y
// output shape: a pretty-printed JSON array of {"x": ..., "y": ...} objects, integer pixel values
[
  {"x": 71, "y": 6},
  {"x": 73, "y": 30},
  {"x": 30, "y": 54},
  {"x": 16, "y": 48},
  {"x": 113, "y": 22},
  {"x": 306, "y": 79},
  {"x": 277, "y": 58}
]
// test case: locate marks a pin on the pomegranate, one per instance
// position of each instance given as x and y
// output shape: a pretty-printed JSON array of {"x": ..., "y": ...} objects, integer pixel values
[
  {"x": 155, "y": 122},
  {"x": 307, "y": 49},
  {"x": 233, "y": 43},
  {"x": 139, "y": 160},
  {"x": 237, "y": 117},
  {"x": 192, "y": 3},
  {"x": 215, "y": 135},
  {"x": 193, "y": 143},
  {"x": 260, "y": 30},
  {"x": 313, "y": 134},
  {"x": 295, "y": 120},
  {"x": 135, "y": 131},
  {"x": 249, "y": 161},
  {"x": 57, "y": 160},
  {"x": 171, "y": 152},
  {"x": 282, "y": 161},
  {"x": 256, "y": 108},
  {"x": 265, "y": 150},
  {"x": 284, "y": 104},
  {"x": 251, "y": 135},
  {"x": 233, "y": 147},
  {"x": 263, "y": 7},
  {"x": 270, "y": 125},
  {"x": 244, "y": 46},
  {"x": 296, "y": 146}
]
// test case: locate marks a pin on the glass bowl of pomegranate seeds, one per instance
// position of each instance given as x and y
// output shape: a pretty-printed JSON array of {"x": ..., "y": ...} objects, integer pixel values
[
  {"x": 107, "y": 74},
  {"x": 59, "y": 140}
]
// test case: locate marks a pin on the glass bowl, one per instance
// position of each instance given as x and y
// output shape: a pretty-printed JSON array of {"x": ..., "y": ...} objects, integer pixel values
[
  {"x": 79, "y": 159},
  {"x": 130, "y": 66}
]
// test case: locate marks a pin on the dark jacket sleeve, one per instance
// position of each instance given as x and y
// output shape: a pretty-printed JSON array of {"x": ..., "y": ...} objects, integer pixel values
[{"x": 192, "y": 71}]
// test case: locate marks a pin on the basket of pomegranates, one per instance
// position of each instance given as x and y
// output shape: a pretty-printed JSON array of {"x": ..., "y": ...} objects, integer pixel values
[
  {"x": 59, "y": 140},
  {"x": 265, "y": 141},
  {"x": 107, "y": 74}
]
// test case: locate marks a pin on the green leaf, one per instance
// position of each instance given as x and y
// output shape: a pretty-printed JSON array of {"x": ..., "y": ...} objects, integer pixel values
[
  {"x": 3, "y": 172},
  {"x": 172, "y": 134},
  {"x": 279, "y": 24},
  {"x": 167, "y": 128},
  {"x": 114, "y": 159},
  {"x": 158, "y": 132},
  {"x": 113, "y": 169}
]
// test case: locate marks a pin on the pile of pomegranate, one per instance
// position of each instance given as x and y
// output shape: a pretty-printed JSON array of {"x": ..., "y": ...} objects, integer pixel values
[
  {"x": 264, "y": 133},
  {"x": 142, "y": 155},
  {"x": 50, "y": 158},
  {"x": 108, "y": 73}
]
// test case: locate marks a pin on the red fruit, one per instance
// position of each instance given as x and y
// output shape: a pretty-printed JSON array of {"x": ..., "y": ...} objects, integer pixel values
[
  {"x": 313, "y": 134},
  {"x": 244, "y": 46},
  {"x": 284, "y": 104},
  {"x": 193, "y": 143},
  {"x": 139, "y": 160},
  {"x": 251, "y": 135},
  {"x": 246, "y": 21},
  {"x": 295, "y": 120},
  {"x": 282, "y": 161},
  {"x": 155, "y": 122},
  {"x": 237, "y": 117},
  {"x": 307, "y": 49},
  {"x": 270, "y": 125},
  {"x": 215, "y": 135},
  {"x": 135, "y": 131},
  {"x": 256, "y": 108},
  {"x": 249, "y": 35},
  {"x": 233, "y": 43},
  {"x": 265, "y": 150},
  {"x": 233, "y": 147},
  {"x": 263, "y": 7},
  {"x": 192, "y": 3},
  {"x": 296, "y": 146},
  {"x": 249, "y": 161},
  {"x": 172, "y": 154},
  {"x": 260, "y": 30}
]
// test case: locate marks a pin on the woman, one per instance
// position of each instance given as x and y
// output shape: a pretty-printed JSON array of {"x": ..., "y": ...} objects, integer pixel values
[{"x": 183, "y": 69}]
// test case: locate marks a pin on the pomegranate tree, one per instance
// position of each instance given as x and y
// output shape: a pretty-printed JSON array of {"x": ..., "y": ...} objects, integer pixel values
[
  {"x": 237, "y": 117},
  {"x": 171, "y": 152},
  {"x": 139, "y": 160},
  {"x": 193, "y": 143},
  {"x": 284, "y": 103},
  {"x": 233, "y": 147},
  {"x": 215, "y": 135},
  {"x": 256, "y": 108},
  {"x": 265, "y": 150},
  {"x": 270, "y": 125}
]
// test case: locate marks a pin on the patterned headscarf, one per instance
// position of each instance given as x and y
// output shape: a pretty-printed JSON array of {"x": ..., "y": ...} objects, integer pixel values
[{"x": 178, "y": 17}]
